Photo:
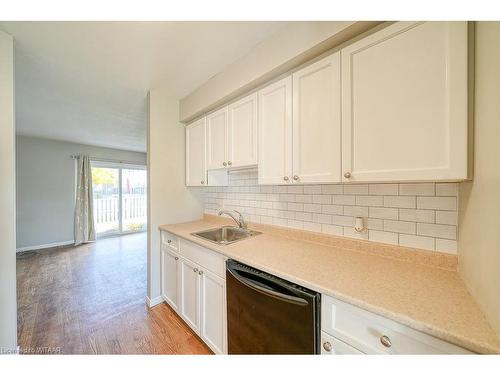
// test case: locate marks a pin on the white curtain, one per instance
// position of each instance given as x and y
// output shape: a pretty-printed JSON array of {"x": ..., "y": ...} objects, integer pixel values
[{"x": 84, "y": 212}]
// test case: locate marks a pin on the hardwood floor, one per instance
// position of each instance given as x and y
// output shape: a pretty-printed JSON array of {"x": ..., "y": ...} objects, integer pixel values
[{"x": 91, "y": 300}]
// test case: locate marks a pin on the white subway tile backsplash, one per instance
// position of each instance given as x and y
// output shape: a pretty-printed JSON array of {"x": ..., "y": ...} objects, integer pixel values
[
  {"x": 400, "y": 202},
  {"x": 446, "y": 217},
  {"x": 312, "y": 207},
  {"x": 446, "y": 246},
  {"x": 336, "y": 230},
  {"x": 356, "y": 189},
  {"x": 383, "y": 213},
  {"x": 419, "y": 242},
  {"x": 417, "y": 189},
  {"x": 322, "y": 199},
  {"x": 383, "y": 189},
  {"x": 437, "y": 230},
  {"x": 399, "y": 226},
  {"x": 332, "y": 209},
  {"x": 437, "y": 203},
  {"x": 420, "y": 215},
  {"x": 368, "y": 200},
  {"x": 346, "y": 200},
  {"x": 385, "y": 237},
  {"x": 356, "y": 211},
  {"x": 446, "y": 189},
  {"x": 332, "y": 189}
]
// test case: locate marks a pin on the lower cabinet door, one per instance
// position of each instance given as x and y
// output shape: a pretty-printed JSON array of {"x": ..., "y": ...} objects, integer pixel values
[
  {"x": 213, "y": 311},
  {"x": 189, "y": 294},
  {"x": 169, "y": 278},
  {"x": 330, "y": 345}
]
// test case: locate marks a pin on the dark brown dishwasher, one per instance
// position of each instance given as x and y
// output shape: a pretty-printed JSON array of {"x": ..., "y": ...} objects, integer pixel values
[{"x": 269, "y": 315}]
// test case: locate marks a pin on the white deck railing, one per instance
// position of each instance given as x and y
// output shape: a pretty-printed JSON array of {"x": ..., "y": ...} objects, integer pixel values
[{"x": 106, "y": 211}]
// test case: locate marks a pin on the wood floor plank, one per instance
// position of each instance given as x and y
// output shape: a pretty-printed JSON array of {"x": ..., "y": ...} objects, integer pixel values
[{"x": 91, "y": 300}]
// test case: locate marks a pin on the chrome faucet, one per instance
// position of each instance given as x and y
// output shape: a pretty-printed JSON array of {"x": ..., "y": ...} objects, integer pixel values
[{"x": 240, "y": 221}]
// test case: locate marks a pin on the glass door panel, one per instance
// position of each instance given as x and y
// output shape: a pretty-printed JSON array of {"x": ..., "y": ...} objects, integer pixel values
[
  {"x": 106, "y": 194},
  {"x": 134, "y": 203}
]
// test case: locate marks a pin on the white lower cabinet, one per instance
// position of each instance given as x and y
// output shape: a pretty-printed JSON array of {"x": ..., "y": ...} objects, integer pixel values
[
  {"x": 331, "y": 345},
  {"x": 365, "y": 332},
  {"x": 190, "y": 294},
  {"x": 194, "y": 285},
  {"x": 169, "y": 284},
  {"x": 213, "y": 307}
]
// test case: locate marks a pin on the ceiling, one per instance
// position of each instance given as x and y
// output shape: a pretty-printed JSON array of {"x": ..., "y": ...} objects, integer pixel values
[{"x": 87, "y": 82}]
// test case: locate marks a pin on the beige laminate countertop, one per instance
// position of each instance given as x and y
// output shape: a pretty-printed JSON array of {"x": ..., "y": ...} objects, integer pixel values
[{"x": 429, "y": 299}]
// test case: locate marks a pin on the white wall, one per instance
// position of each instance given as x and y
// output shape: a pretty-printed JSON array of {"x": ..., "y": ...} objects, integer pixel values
[
  {"x": 8, "y": 309},
  {"x": 45, "y": 187},
  {"x": 479, "y": 208},
  {"x": 284, "y": 50},
  {"x": 169, "y": 201}
]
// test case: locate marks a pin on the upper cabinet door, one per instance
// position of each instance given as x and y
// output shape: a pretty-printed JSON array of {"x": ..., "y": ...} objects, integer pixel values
[
  {"x": 317, "y": 122},
  {"x": 405, "y": 99},
  {"x": 217, "y": 139},
  {"x": 196, "y": 173},
  {"x": 275, "y": 133},
  {"x": 242, "y": 132}
]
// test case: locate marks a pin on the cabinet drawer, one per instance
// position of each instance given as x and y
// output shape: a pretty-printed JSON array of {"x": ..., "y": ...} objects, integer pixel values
[
  {"x": 169, "y": 240},
  {"x": 368, "y": 332},
  {"x": 206, "y": 258},
  {"x": 330, "y": 345}
]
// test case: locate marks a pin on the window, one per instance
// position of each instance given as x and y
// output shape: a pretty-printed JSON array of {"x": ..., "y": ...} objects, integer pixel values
[{"x": 120, "y": 203}]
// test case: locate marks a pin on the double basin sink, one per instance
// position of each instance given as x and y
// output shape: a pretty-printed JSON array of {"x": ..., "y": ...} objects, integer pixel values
[{"x": 226, "y": 235}]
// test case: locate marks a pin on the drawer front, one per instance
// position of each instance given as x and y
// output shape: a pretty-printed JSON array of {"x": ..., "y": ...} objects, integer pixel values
[
  {"x": 206, "y": 258},
  {"x": 170, "y": 241},
  {"x": 330, "y": 345},
  {"x": 371, "y": 333}
]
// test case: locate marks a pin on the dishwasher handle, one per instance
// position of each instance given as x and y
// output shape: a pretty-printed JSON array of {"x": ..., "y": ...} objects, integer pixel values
[{"x": 267, "y": 291}]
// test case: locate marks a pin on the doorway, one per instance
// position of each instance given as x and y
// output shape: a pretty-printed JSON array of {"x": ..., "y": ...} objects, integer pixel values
[{"x": 119, "y": 198}]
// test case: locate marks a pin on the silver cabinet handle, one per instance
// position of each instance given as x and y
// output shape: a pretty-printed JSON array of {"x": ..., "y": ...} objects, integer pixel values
[
  {"x": 347, "y": 175},
  {"x": 176, "y": 258},
  {"x": 169, "y": 241},
  {"x": 386, "y": 341},
  {"x": 286, "y": 178},
  {"x": 296, "y": 178},
  {"x": 200, "y": 273},
  {"x": 327, "y": 346},
  {"x": 229, "y": 163},
  {"x": 224, "y": 163},
  {"x": 195, "y": 270},
  {"x": 202, "y": 182}
]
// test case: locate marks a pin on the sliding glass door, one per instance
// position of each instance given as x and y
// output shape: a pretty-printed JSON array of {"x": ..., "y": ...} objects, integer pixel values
[{"x": 120, "y": 204}]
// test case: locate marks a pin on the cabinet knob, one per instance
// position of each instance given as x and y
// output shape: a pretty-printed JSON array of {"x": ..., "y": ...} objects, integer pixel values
[
  {"x": 224, "y": 163},
  {"x": 230, "y": 163},
  {"x": 347, "y": 175},
  {"x": 296, "y": 178},
  {"x": 176, "y": 258},
  {"x": 195, "y": 270},
  {"x": 286, "y": 178},
  {"x": 169, "y": 241},
  {"x": 200, "y": 273},
  {"x": 327, "y": 346},
  {"x": 202, "y": 182},
  {"x": 386, "y": 341}
]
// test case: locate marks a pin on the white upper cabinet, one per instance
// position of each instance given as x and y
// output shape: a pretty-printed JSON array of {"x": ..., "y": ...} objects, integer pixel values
[
  {"x": 242, "y": 132},
  {"x": 275, "y": 133},
  {"x": 196, "y": 172},
  {"x": 317, "y": 122},
  {"x": 217, "y": 139},
  {"x": 405, "y": 98}
]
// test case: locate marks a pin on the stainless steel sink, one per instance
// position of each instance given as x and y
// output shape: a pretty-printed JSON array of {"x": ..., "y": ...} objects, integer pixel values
[{"x": 226, "y": 235}]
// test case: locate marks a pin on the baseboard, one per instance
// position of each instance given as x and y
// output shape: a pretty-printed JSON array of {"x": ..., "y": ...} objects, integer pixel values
[
  {"x": 153, "y": 302},
  {"x": 44, "y": 246}
]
